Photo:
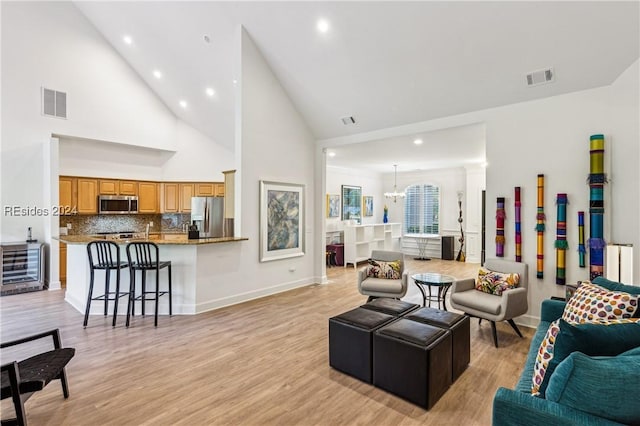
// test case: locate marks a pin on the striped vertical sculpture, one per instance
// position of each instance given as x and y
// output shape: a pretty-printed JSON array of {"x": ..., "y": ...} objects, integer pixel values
[
  {"x": 581, "y": 248},
  {"x": 500, "y": 217},
  {"x": 561, "y": 239},
  {"x": 597, "y": 179},
  {"x": 517, "y": 205},
  {"x": 540, "y": 228}
]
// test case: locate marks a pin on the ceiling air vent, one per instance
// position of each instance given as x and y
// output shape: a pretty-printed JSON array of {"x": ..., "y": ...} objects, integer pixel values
[
  {"x": 347, "y": 121},
  {"x": 536, "y": 78},
  {"x": 54, "y": 103}
]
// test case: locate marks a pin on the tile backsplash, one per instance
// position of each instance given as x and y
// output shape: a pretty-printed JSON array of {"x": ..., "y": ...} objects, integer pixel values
[{"x": 92, "y": 224}]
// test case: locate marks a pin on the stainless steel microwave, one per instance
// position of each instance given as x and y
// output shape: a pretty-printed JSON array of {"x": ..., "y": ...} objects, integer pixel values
[{"x": 117, "y": 204}]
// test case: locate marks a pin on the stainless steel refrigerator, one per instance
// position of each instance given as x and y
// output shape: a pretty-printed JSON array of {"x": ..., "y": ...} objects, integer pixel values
[{"x": 208, "y": 215}]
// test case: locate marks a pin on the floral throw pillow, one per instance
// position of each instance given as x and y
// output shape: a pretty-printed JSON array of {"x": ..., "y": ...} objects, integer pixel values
[
  {"x": 496, "y": 282},
  {"x": 544, "y": 356},
  {"x": 386, "y": 270},
  {"x": 590, "y": 303}
]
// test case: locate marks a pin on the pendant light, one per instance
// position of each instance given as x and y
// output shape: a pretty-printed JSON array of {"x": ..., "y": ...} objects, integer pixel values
[{"x": 395, "y": 194}]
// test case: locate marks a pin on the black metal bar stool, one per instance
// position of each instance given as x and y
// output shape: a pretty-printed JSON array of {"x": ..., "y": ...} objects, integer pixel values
[
  {"x": 105, "y": 255},
  {"x": 143, "y": 256}
]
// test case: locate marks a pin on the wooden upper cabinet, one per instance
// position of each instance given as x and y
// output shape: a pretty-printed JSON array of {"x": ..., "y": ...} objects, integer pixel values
[
  {"x": 170, "y": 200},
  {"x": 128, "y": 187},
  {"x": 87, "y": 196},
  {"x": 67, "y": 195},
  {"x": 147, "y": 197},
  {"x": 205, "y": 189},
  {"x": 108, "y": 187},
  {"x": 186, "y": 192},
  {"x": 219, "y": 190}
]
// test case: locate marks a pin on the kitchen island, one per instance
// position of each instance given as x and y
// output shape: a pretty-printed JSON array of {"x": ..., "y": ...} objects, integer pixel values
[{"x": 196, "y": 266}]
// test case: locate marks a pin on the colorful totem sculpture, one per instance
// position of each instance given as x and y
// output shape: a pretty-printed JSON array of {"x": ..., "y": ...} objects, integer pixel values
[
  {"x": 561, "y": 239},
  {"x": 500, "y": 217},
  {"x": 597, "y": 179},
  {"x": 581, "y": 248},
  {"x": 518, "y": 228},
  {"x": 540, "y": 228}
]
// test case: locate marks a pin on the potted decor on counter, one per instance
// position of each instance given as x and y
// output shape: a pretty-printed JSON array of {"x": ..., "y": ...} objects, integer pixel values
[{"x": 385, "y": 216}]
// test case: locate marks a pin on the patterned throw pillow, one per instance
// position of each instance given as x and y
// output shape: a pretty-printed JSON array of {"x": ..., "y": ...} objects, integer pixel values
[
  {"x": 564, "y": 334},
  {"x": 591, "y": 302},
  {"x": 387, "y": 270},
  {"x": 496, "y": 282}
]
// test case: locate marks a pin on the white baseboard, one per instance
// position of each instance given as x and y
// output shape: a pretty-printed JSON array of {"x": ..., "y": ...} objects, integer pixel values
[
  {"x": 528, "y": 321},
  {"x": 55, "y": 285},
  {"x": 251, "y": 295}
]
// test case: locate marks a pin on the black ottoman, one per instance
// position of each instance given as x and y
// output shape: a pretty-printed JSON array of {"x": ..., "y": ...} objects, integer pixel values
[
  {"x": 458, "y": 325},
  {"x": 351, "y": 341},
  {"x": 412, "y": 360},
  {"x": 394, "y": 307}
]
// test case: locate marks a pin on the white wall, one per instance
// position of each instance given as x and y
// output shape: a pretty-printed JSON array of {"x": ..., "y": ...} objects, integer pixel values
[
  {"x": 276, "y": 145},
  {"x": 371, "y": 184},
  {"x": 551, "y": 136}
]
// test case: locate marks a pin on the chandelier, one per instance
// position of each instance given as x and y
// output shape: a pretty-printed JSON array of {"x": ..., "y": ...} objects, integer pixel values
[{"x": 395, "y": 194}]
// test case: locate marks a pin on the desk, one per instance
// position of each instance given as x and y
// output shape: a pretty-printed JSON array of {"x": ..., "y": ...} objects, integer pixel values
[
  {"x": 422, "y": 240},
  {"x": 443, "y": 282}
]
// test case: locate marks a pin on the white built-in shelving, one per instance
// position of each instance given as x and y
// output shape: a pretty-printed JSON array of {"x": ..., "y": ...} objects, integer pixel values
[{"x": 360, "y": 240}]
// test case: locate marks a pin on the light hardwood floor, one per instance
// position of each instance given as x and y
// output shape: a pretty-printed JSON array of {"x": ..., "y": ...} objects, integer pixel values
[{"x": 260, "y": 362}]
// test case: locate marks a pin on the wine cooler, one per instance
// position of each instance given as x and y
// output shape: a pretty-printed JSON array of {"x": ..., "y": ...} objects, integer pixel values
[{"x": 22, "y": 267}]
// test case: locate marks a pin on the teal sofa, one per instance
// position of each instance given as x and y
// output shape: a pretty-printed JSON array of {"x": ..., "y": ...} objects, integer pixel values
[{"x": 588, "y": 390}]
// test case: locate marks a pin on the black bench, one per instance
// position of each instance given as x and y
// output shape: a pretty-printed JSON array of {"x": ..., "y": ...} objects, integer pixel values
[{"x": 20, "y": 379}]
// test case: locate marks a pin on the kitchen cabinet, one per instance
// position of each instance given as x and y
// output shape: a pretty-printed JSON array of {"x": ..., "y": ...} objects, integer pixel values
[
  {"x": 205, "y": 189},
  {"x": 63, "y": 263},
  {"x": 219, "y": 190},
  {"x": 67, "y": 195},
  {"x": 128, "y": 187},
  {"x": 117, "y": 187},
  {"x": 148, "y": 197},
  {"x": 108, "y": 187},
  {"x": 170, "y": 200},
  {"x": 186, "y": 192},
  {"x": 87, "y": 196}
]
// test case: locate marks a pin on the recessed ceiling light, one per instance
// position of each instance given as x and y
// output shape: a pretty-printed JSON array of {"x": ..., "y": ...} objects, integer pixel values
[
  {"x": 418, "y": 141},
  {"x": 183, "y": 104},
  {"x": 331, "y": 154},
  {"x": 210, "y": 92},
  {"x": 157, "y": 74},
  {"x": 322, "y": 25},
  {"x": 127, "y": 39}
]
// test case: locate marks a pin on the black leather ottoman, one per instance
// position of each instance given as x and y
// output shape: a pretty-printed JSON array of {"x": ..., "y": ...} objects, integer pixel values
[
  {"x": 458, "y": 325},
  {"x": 394, "y": 307},
  {"x": 412, "y": 360},
  {"x": 351, "y": 341}
]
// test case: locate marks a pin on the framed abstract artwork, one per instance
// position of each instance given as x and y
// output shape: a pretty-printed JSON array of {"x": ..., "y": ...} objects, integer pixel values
[
  {"x": 333, "y": 205},
  {"x": 281, "y": 220},
  {"x": 351, "y": 203},
  {"x": 367, "y": 205}
]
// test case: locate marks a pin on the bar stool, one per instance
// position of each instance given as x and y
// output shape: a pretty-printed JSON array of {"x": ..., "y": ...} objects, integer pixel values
[
  {"x": 105, "y": 255},
  {"x": 143, "y": 256}
]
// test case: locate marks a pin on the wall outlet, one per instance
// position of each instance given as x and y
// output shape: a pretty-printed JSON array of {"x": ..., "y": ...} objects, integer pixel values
[
  {"x": 68, "y": 226},
  {"x": 151, "y": 224},
  {"x": 292, "y": 269}
]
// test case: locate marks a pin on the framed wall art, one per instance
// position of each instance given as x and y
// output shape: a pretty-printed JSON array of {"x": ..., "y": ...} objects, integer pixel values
[
  {"x": 281, "y": 220},
  {"x": 351, "y": 203},
  {"x": 333, "y": 205},
  {"x": 367, "y": 205}
]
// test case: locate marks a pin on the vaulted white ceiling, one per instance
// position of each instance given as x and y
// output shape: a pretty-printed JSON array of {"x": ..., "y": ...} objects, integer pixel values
[{"x": 385, "y": 63}]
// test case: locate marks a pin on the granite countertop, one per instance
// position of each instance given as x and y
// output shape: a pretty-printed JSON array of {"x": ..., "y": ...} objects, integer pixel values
[{"x": 160, "y": 239}]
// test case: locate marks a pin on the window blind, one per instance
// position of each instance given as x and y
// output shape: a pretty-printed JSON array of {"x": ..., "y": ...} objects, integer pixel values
[{"x": 422, "y": 209}]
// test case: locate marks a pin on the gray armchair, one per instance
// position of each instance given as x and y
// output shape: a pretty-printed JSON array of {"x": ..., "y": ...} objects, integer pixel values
[
  {"x": 512, "y": 303},
  {"x": 380, "y": 287}
]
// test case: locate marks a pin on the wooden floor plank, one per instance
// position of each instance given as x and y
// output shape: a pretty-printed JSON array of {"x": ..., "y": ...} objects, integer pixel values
[{"x": 260, "y": 362}]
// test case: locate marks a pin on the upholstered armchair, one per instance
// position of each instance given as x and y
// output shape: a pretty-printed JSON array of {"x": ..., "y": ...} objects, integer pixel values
[
  {"x": 510, "y": 304},
  {"x": 384, "y": 287}
]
